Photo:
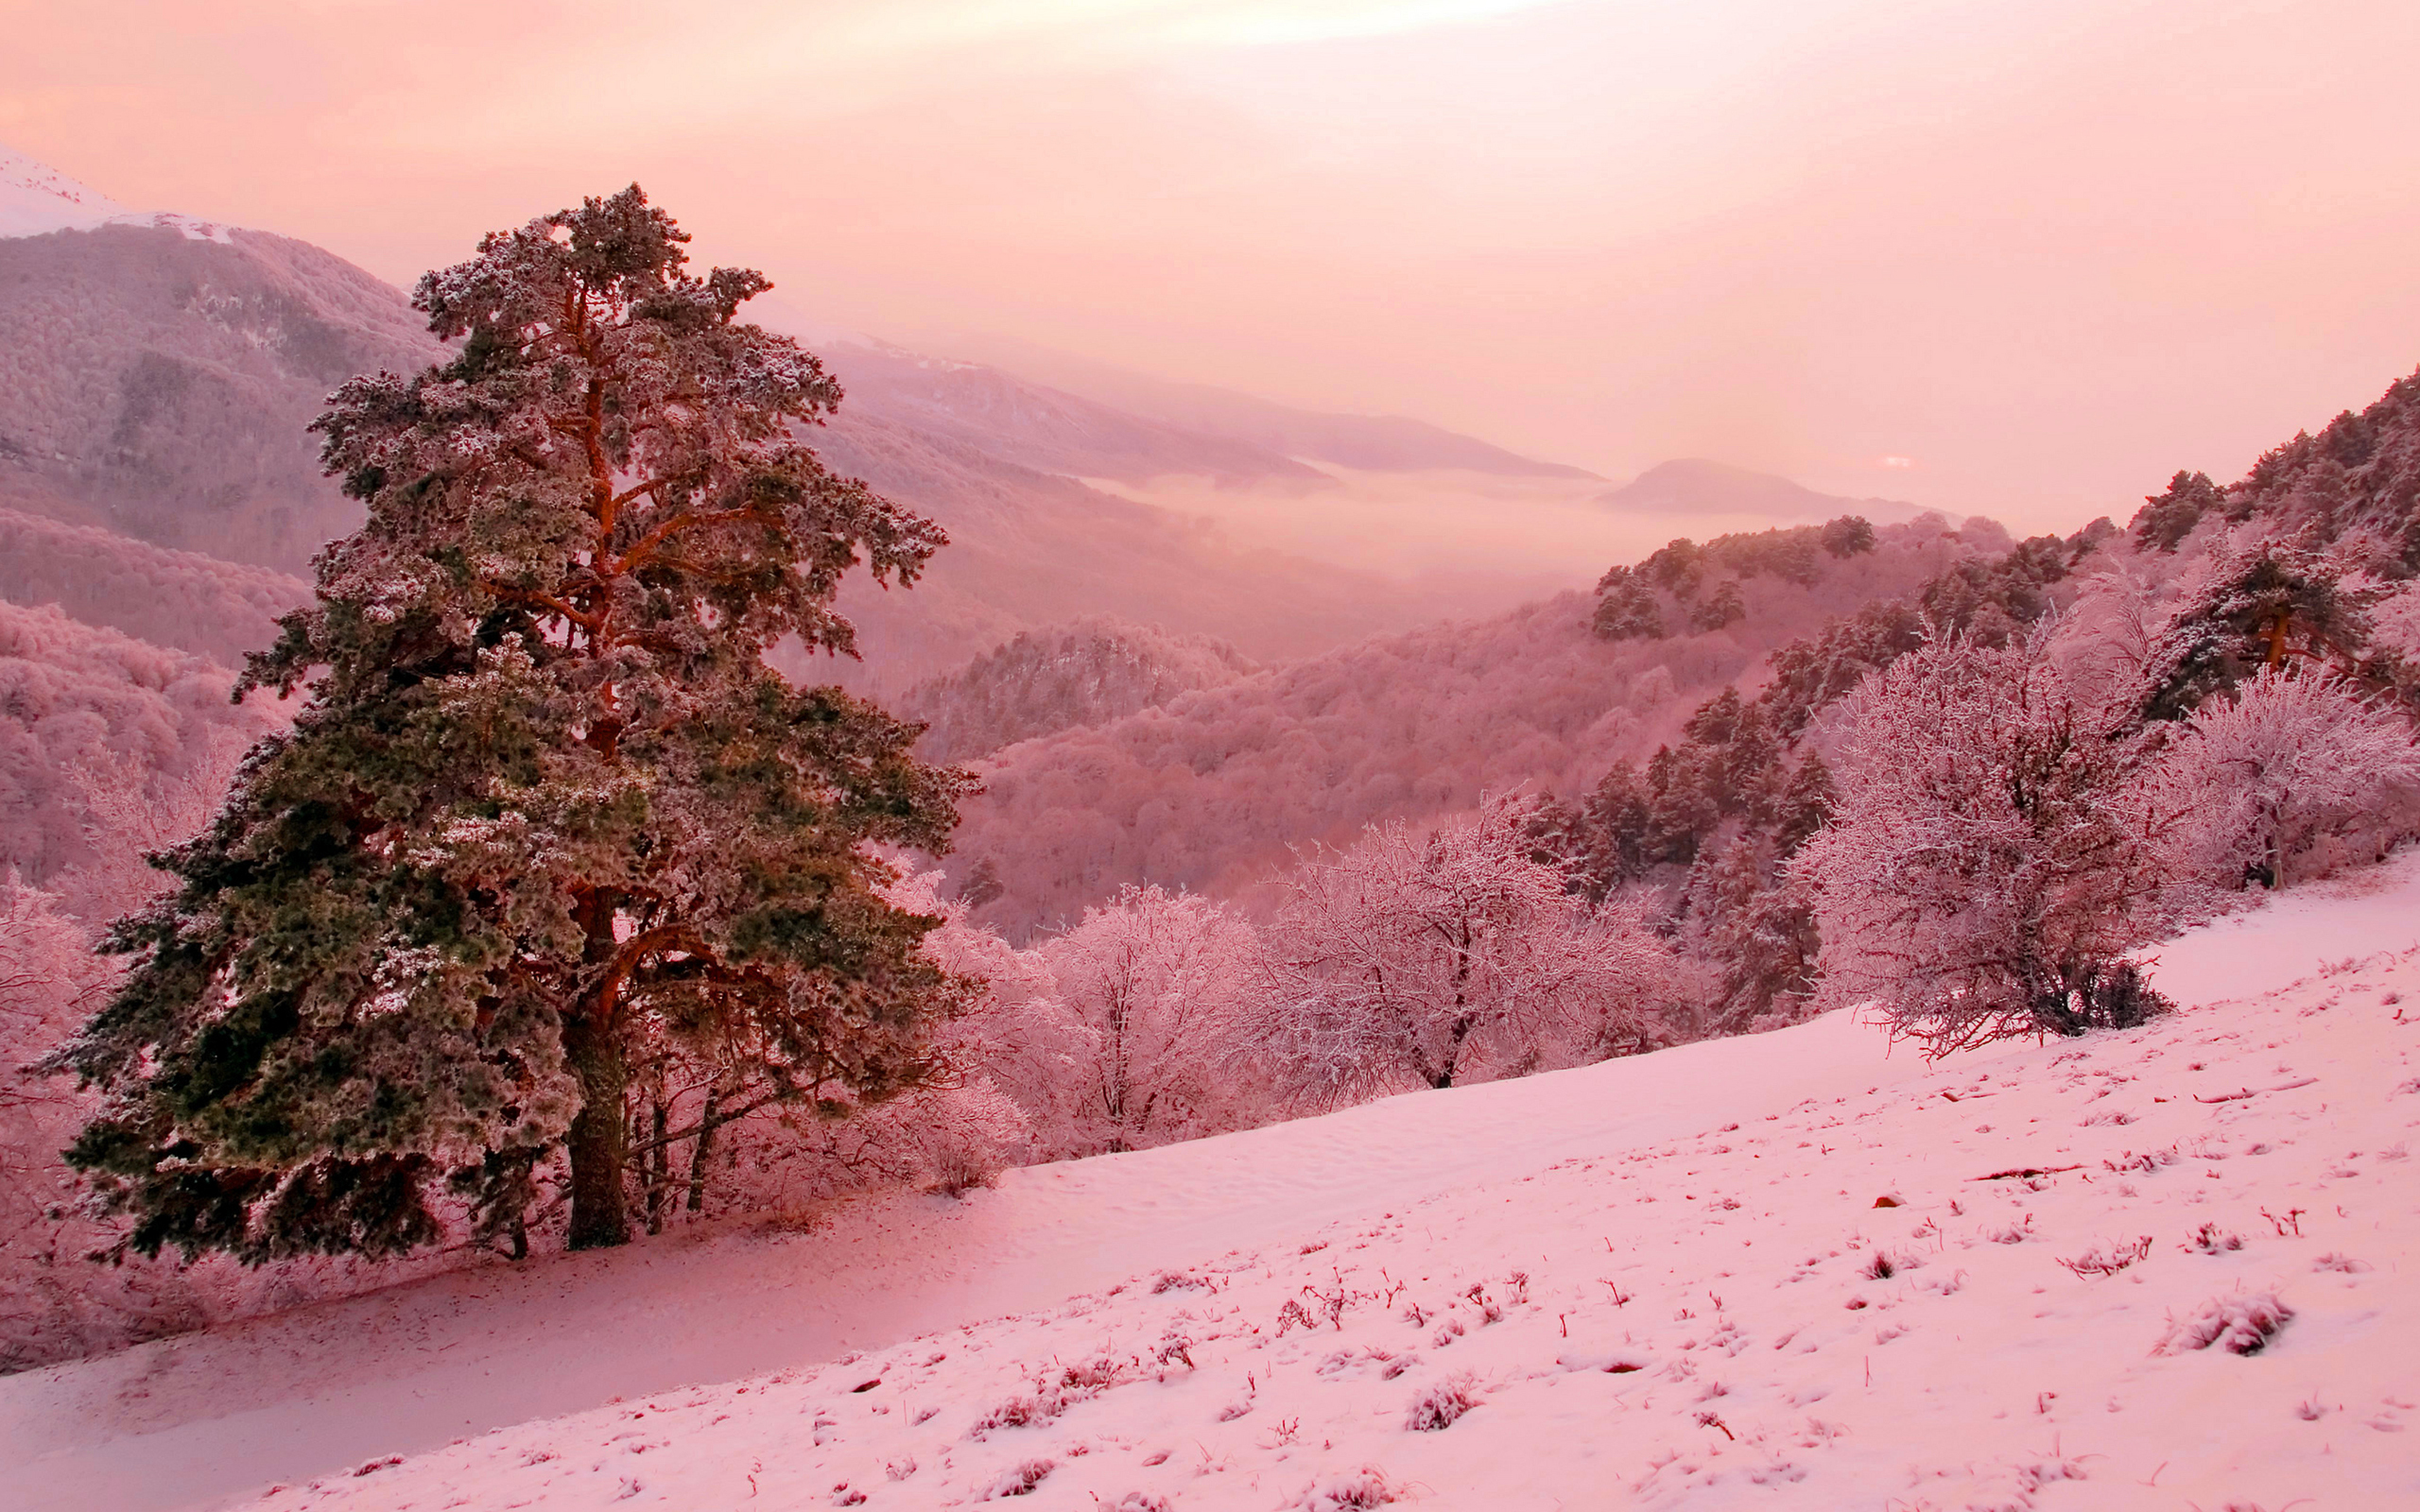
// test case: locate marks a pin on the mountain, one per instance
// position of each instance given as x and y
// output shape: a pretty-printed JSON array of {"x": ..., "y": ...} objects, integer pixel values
[
  {"x": 178, "y": 599},
  {"x": 157, "y": 373},
  {"x": 1695, "y": 487},
  {"x": 1376, "y": 443},
  {"x": 1040, "y": 427}
]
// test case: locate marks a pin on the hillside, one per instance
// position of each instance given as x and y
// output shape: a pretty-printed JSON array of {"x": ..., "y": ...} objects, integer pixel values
[
  {"x": 1086, "y": 673},
  {"x": 160, "y": 382},
  {"x": 1659, "y": 1277},
  {"x": 1211, "y": 789},
  {"x": 1377, "y": 443},
  {"x": 1035, "y": 426},
  {"x": 181, "y": 599},
  {"x": 1030, "y": 548}
]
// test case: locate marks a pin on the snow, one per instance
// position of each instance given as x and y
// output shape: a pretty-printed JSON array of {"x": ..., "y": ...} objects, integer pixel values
[
  {"x": 37, "y": 200},
  {"x": 1654, "y": 1281}
]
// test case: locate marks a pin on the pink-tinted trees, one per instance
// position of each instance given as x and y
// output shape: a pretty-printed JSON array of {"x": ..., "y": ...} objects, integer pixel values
[
  {"x": 1157, "y": 982},
  {"x": 1421, "y": 959},
  {"x": 1989, "y": 860},
  {"x": 2282, "y": 779}
]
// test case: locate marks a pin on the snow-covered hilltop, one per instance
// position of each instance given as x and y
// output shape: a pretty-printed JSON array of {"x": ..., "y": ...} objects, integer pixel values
[
  {"x": 2148, "y": 1269},
  {"x": 37, "y": 200}
]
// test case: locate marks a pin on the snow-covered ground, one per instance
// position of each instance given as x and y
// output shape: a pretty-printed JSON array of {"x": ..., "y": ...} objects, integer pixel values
[{"x": 1665, "y": 1282}]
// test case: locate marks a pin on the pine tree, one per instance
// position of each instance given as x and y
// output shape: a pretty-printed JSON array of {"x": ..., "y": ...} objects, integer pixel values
[
  {"x": 545, "y": 800},
  {"x": 2262, "y": 606}
]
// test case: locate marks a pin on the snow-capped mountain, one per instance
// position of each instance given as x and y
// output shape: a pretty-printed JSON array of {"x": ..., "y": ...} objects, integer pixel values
[{"x": 37, "y": 200}]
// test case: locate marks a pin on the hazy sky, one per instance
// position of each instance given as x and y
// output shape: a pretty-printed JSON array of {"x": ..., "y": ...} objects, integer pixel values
[{"x": 2042, "y": 253}]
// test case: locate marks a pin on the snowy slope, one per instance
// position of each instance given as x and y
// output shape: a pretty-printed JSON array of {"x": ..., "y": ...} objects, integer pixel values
[
  {"x": 1655, "y": 1279},
  {"x": 37, "y": 200}
]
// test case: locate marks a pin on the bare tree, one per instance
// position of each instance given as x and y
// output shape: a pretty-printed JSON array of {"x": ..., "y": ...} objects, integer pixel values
[
  {"x": 1158, "y": 980},
  {"x": 1399, "y": 962}
]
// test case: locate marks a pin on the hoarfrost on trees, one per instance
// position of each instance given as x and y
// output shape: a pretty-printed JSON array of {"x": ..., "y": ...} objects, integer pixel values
[{"x": 1991, "y": 857}]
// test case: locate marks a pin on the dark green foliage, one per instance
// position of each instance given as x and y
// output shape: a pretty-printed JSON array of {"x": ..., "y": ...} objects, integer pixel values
[
  {"x": 1631, "y": 600},
  {"x": 2360, "y": 474},
  {"x": 2168, "y": 518},
  {"x": 546, "y": 800},
  {"x": 1848, "y": 536},
  {"x": 2260, "y": 607},
  {"x": 1626, "y": 607},
  {"x": 1719, "y": 610},
  {"x": 1987, "y": 601}
]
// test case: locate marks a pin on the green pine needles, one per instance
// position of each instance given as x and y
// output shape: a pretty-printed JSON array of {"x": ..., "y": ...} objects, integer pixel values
[{"x": 544, "y": 804}]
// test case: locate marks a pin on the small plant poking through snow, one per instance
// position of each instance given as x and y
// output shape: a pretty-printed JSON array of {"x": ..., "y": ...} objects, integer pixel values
[
  {"x": 1441, "y": 1405},
  {"x": 2109, "y": 1258},
  {"x": 2212, "y": 1240},
  {"x": 2334, "y": 1262},
  {"x": 2241, "y": 1324},
  {"x": 1140, "y": 1502},
  {"x": 1350, "y": 1491},
  {"x": 1020, "y": 1481}
]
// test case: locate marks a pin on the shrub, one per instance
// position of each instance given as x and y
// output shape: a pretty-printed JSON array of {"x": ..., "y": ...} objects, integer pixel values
[
  {"x": 1440, "y": 1406},
  {"x": 2241, "y": 1323}
]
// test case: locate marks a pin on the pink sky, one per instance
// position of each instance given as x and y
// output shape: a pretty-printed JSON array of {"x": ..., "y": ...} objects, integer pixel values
[{"x": 2046, "y": 251}]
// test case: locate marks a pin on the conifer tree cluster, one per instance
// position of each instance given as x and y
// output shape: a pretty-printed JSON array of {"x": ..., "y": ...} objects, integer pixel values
[{"x": 545, "y": 805}]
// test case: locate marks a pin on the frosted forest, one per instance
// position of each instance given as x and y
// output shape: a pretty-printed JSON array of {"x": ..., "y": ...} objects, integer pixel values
[{"x": 553, "y": 767}]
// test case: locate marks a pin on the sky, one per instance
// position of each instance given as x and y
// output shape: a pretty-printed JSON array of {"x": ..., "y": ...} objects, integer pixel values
[{"x": 2025, "y": 257}]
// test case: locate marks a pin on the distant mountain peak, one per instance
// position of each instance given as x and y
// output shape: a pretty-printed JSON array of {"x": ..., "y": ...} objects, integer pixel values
[
  {"x": 37, "y": 200},
  {"x": 1698, "y": 484}
]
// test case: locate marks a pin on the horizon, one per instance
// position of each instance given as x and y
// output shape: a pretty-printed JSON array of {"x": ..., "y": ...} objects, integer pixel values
[{"x": 2023, "y": 262}]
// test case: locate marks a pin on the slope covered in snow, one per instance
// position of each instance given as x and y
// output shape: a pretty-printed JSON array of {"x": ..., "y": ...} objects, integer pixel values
[
  {"x": 36, "y": 199},
  {"x": 1670, "y": 1280}
]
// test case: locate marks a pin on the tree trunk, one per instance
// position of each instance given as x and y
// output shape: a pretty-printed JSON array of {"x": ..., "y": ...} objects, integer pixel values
[
  {"x": 658, "y": 1167},
  {"x": 705, "y": 1149},
  {"x": 598, "y": 1142}
]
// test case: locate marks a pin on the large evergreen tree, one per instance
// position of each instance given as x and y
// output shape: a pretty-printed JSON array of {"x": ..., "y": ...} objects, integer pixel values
[{"x": 545, "y": 799}]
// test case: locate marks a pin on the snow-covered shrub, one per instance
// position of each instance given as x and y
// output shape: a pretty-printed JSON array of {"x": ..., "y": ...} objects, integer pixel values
[
  {"x": 2239, "y": 1323},
  {"x": 1352, "y": 1490},
  {"x": 2297, "y": 774},
  {"x": 1441, "y": 1405},
  {"x": 1989, "y": 860},
  {"x": 1020, "y": 1481}
]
